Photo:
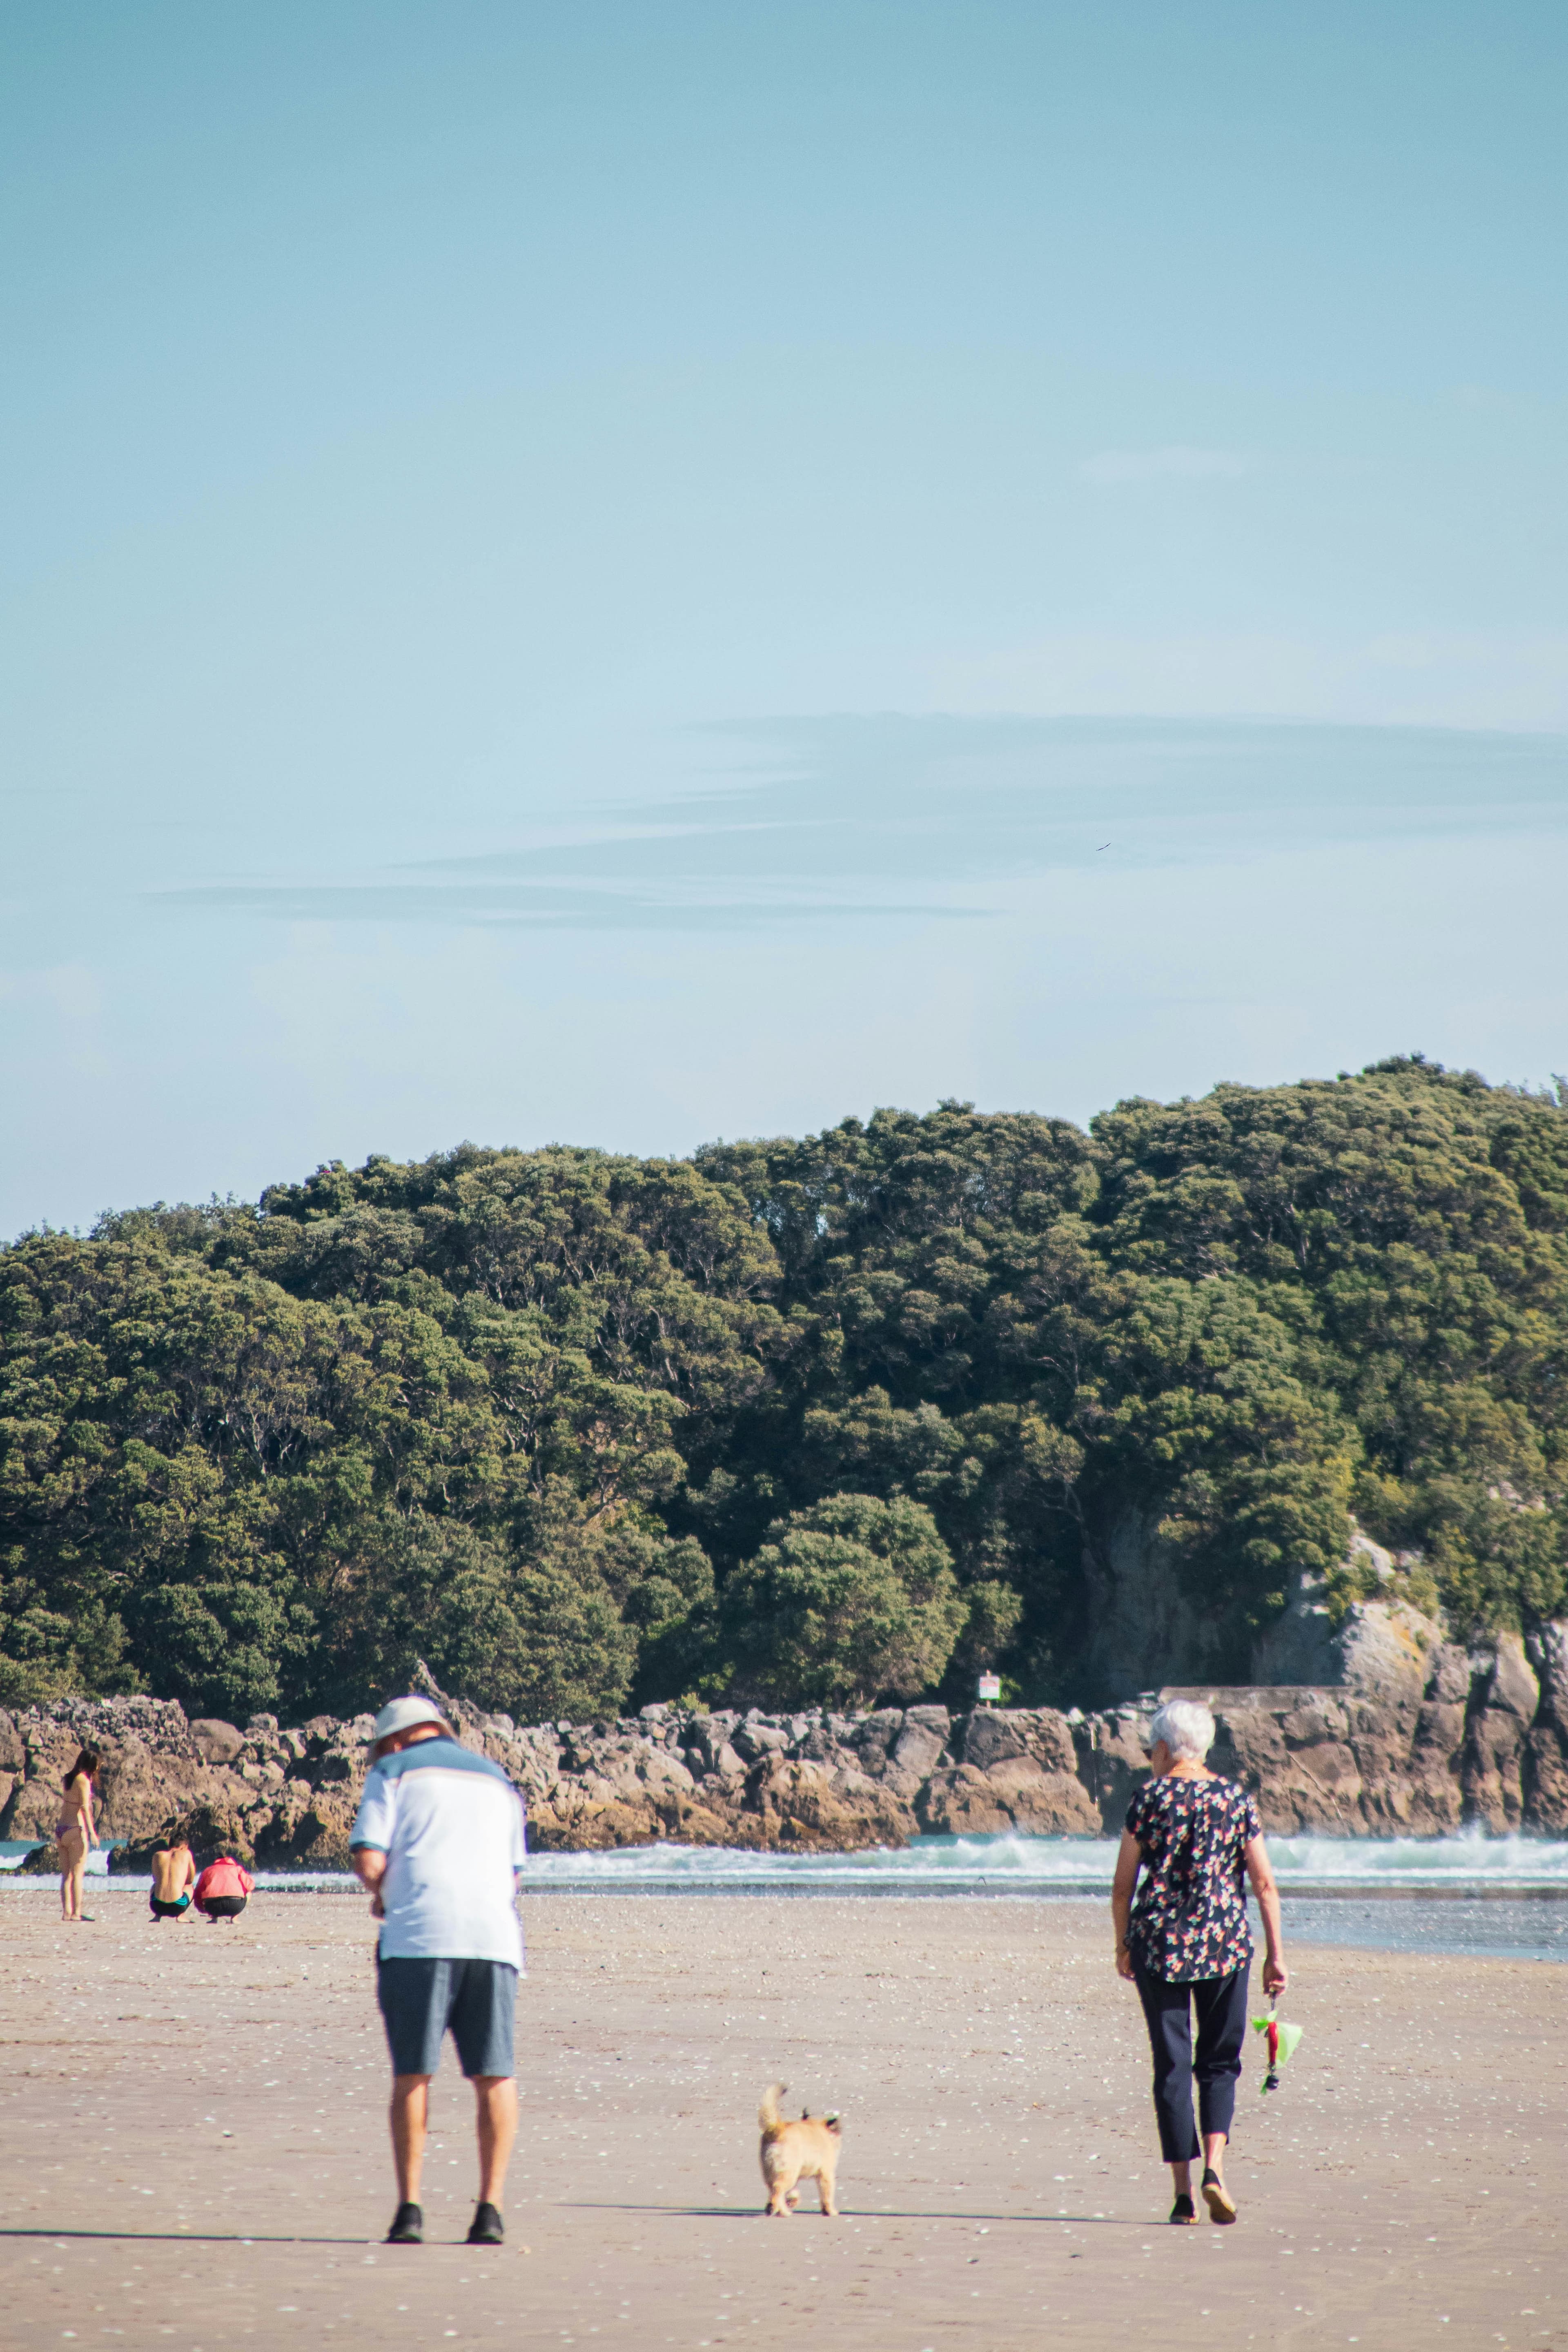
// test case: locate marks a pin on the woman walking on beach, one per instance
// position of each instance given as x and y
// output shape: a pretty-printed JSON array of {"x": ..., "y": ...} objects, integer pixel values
[
  {"x": 1184, "y": 1941},
  {"x": 74, "y": 1834}
]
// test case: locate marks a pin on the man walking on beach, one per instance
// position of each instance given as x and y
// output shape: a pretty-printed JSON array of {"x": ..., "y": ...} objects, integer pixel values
[{"x": 438, "y": 1840}]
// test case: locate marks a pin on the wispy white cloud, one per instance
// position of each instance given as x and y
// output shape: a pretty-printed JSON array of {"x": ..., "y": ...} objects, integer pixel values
[
  {"x": 1517, "y": 681},
  {"x": 1178, "y": 463},
  {"x": 850, "y": 816}
]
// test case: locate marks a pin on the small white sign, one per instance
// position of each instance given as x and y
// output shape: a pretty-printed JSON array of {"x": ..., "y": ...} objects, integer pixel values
[{"x": 991, "y": 1686}]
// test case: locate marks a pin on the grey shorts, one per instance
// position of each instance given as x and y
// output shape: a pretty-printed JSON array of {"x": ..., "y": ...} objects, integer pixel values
[{"x": 420, "y": 2000}]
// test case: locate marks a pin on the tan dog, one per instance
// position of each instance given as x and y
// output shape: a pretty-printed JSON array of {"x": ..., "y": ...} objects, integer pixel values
[{"x": 791, "y": 2152}]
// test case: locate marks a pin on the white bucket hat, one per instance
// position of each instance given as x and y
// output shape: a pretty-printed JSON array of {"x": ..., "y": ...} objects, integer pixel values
[{"x": 402, "y": 1715}]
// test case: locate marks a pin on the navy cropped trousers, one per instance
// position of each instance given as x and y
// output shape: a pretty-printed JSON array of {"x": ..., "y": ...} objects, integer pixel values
[{"x": 1219, "y": 2004}]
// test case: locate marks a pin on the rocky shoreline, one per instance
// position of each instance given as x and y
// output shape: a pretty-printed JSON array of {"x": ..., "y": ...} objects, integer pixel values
[{"x": 1416, "y": 1736}]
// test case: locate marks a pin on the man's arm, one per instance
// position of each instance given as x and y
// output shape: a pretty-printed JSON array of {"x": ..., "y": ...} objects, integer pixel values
[{"x": 370, "y": 1868}]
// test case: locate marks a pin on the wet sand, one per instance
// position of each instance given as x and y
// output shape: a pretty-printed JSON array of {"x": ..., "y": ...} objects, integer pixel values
[{"x": 196, "y": 2155}]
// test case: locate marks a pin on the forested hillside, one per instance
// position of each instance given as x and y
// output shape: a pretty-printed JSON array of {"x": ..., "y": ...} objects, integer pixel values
[{"x": 831, "y": 1420}]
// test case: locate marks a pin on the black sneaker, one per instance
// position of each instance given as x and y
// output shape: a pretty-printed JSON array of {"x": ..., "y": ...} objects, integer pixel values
[
  {"x": 486, "y": 2230},
  {"x": 1184, "y": 2213},
  {"x": 407, "y": 2228}
]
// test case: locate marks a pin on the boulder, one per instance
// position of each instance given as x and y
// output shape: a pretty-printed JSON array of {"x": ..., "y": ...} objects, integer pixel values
[
  {"x": 822, "y": 1745},
  {"x": 754, "y": 1738},
  {"x": 790, "y": 1802},
  {"x": 1250, "y": 1746},
  {"x": 873, "y": 1735},
  {"x": 1112, "y": 1761},
  {"x": 139, "y": 1793},
  {"x": 689, "y": 1822},
  {"x": 708, "y": 1739},
  {"x": 51, "y": 1749},
  {"x": 630, "y": 1770},
  {"x": 577, "y": 1824},
  {"x": 216, "y": 1742},
  {"x": 920, "y": 1746},
  {"x": 960, "y": 1801},
  {"x": 1044, "y": 1805},
  {"x": 992, "y": 1735},
  {"x": 311, "y": 1836}
]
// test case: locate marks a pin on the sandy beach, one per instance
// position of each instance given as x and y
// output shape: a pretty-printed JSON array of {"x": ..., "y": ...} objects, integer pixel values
[{"x": 196, "y": 2146}]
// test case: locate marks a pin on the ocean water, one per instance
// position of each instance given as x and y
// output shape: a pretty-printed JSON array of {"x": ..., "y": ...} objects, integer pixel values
[
  {"x": 1011, "y": 1864},
  {"x": 1469, "y": 1893}
]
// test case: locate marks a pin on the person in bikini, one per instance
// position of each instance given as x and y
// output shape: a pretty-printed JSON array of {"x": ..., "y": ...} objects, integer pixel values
[
  {"x": 74, "y": 1835},
  {"x": 174, "y": 1879}
]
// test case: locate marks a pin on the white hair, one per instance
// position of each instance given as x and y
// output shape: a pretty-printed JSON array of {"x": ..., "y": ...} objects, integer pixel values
[{"x": 1186, "y": 1727}]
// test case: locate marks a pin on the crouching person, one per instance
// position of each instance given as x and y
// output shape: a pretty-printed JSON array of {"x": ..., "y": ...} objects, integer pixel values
[
  {"x": 223, "y": 1890},
  {"x": 438, "y": 1841},
  {"x": 174, "y": 1881}
]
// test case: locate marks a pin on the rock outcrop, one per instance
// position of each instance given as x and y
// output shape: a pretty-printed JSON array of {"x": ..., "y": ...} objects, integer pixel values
[
  {"x": 1411, "y": 1736},
  {"x": 1419, "y": 1737}
]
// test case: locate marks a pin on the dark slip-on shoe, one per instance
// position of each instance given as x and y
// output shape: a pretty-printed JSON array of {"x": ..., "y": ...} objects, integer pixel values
[
  {"x": 407, "y": 2228},
  {"x": 486, "y": 2230},
  {"x": 1184, "y": 2213}
]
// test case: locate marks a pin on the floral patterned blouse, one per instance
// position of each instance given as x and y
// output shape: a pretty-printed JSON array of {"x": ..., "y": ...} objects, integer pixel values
[{"x": 1189, "y": 1914}]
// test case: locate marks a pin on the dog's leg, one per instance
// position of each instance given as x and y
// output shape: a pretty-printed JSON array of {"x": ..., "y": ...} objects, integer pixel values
[
  {"x": 824, "y": 2189},
  {"x": 782, "y": 2195}
]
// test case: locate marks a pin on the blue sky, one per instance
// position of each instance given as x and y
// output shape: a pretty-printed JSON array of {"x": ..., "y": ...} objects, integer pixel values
[{"x": 625, "y": 575}]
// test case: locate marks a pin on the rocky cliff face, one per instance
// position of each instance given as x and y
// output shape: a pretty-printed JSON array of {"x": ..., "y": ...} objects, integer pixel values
[{"x": 1414, "y": 1737}]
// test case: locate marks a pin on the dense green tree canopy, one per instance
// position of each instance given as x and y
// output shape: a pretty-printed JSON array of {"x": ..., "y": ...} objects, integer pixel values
[
  {"x": 850, "y": 1600},
  {"x": 839, "y": 1417}
]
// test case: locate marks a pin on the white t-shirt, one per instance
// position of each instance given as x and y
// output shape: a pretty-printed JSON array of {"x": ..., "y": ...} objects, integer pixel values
[{"x": 451, "y": 1826}]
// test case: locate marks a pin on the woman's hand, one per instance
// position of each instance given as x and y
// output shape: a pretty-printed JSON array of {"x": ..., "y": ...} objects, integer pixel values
[
  {"x": 1276, "y": 1975},
  {"x": 1124, "y": 1962}
]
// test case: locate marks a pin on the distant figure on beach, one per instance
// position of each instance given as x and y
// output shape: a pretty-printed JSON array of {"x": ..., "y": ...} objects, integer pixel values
[
  {"x": 74, "y": 1834},
  {"x": 223, "y": 1890},
  {"x": 174, "y": 1880},
  {"x": 1185, "y": 1942},
  {"x": 438, "y": 1841}
]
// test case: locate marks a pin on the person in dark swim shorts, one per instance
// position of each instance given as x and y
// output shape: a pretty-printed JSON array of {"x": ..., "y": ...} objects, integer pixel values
[{"x": 173, "y": 1877}]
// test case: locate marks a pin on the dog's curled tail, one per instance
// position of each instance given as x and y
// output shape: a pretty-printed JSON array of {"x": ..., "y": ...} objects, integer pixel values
[{"x": 768, "y": 2114}]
